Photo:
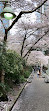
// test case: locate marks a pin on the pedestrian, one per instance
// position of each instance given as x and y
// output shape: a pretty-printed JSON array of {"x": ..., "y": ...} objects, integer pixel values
[{"x": 39, "y": 71}]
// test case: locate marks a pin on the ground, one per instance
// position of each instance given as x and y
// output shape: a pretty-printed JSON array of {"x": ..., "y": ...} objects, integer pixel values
[{"x": 35, "y": 96}]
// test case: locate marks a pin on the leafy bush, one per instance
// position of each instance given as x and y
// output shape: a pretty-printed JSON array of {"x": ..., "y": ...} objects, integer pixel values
[
  {"x": 30, "y": 68},
  {"x": 26, "y": 74},
  {"x": 22, "y": 79},
  {"x": 14, "y": 65},
  {"x": 27, "y": 71}
]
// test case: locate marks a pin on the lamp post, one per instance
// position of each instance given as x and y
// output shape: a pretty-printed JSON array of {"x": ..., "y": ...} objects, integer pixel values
[{"x": 8, "y": 14}]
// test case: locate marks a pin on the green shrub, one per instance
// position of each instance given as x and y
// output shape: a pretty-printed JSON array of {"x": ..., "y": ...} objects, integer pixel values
[
  {"x": 22, "y": 79},
  {"x": 26, "y": 74},
  {"x": 14, "y": 65},
  {"x": 30, "y": 68}
]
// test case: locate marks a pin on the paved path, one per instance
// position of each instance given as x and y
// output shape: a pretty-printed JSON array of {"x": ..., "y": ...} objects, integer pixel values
[{"x": 35, "y": 96}]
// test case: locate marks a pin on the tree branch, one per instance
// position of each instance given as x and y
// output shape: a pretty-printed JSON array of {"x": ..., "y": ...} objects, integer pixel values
[
  {"x": 24, "y": 12},
  {"x": 23, "y": 44},
  {"x": 2, "y": 23},
  {"x": 36, "y": 43},
  {"x": 42, "y": 14}
]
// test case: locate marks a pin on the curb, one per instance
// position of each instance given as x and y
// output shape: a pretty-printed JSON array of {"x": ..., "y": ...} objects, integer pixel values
[
  {"x": 18, "y": 96},
  {"x": 20, "y": 93}
]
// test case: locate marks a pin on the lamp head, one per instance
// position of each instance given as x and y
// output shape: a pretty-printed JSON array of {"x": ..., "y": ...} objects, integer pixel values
[{"x": 8, "y": 13}]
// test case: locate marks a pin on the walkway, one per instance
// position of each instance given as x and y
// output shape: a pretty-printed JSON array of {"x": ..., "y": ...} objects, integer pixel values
[{"x": 35, "y": 96}]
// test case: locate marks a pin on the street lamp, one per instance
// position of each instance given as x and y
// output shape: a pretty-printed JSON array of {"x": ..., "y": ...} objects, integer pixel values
[{"x": 7, "y": 11}]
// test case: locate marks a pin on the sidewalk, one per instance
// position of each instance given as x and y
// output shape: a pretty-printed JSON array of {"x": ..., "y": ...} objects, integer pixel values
[{"x": 35, "y": 96}]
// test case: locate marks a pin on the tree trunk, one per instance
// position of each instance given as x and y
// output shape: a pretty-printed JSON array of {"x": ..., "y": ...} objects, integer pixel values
[{"x": 2, "y": 74}]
